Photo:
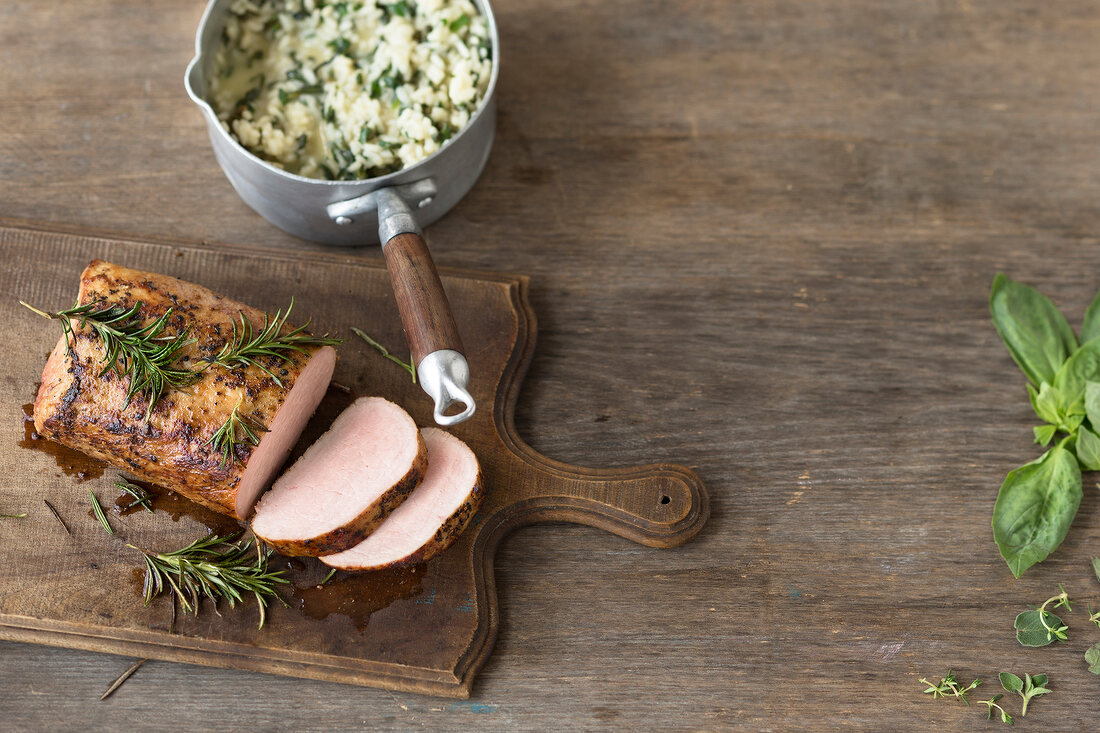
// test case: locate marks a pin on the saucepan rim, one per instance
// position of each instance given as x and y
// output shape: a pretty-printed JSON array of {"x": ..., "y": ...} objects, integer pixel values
[{"x": 196, "y": 66}]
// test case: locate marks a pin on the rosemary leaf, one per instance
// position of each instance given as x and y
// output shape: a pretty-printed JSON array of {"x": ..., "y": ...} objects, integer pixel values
[
  {"x": 213, "y": 567},
  {"x": 245, "y": 348},
  {"x": 406, "y": 365},
  {"x": 143, "y": 353},
  {"x": 141, "y": 496},
  {"x": 329, "y": 576},
  {"x": 122, "y": 678},
  {"x": 98, "y": 510},
  {"x": 13, "y": 516},
  {"x": 57, "y": 515},
  {"x": 225, "y": 438}
]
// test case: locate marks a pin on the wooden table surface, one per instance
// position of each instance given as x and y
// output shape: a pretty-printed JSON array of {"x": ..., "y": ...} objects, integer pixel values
[{"x": 760, "y": 237}]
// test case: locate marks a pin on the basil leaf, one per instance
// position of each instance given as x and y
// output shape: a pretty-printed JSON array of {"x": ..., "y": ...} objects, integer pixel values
[
  {"x": 1076, "y": 372},
  {"x": 1034, "y": 330},
  {"x": 1088, "y": 449},
  {"x": 1011, "y": 682},
  {"x": 1035, "y": 506},
  {"x": 1044, "y": 434},
  {"x": 1092, "y": 402},
  {"x": 1031, "y": 632},
  {"x": 1092, "y": 656},
  {"x": 1090, "y": 329},
  {"x": 1049, "y": 404}
]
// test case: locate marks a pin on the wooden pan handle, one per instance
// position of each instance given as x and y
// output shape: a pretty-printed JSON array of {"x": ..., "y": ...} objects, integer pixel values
[{"x": 425, "y": 310}]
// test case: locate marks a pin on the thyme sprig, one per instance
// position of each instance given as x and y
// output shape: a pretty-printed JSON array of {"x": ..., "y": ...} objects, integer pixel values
[
  {"x": 406, "y": 365},
  {"x": 142, "y": 352},
  {"x": 247, "y": 346},
  {"x": 226, "y": 438},
  {"x": 1057, "y": 631},
  {"x": 141, "y": 497},
  {"x": 213, "y": 567},
  {"x": 1094, "y": 618},
  {"x": 992, "y": 703},
  {"x": 949, "y": 685}
]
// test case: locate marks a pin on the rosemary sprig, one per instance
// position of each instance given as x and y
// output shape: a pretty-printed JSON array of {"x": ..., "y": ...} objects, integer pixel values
[
  {"x": 214, "y": 567},
  {"x": 226, "y": 437},
  {"x": 246, "y": 346},
  {"x": 406, "y": 365},
  {"x": 98, "y": 511},
  {"x": 141, "y": 496},
  {"x": 141, "y": 352}
]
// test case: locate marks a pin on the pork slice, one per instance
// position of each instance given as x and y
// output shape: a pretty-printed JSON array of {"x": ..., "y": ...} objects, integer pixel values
[
  {"x": 88, "y": 411},
  {"x": 431, "y": 519},
  {"x": 346, "y": 483}
]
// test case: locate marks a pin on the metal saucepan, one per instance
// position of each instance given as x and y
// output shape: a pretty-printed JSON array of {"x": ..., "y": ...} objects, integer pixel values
[{"x": 390, "y": 209}]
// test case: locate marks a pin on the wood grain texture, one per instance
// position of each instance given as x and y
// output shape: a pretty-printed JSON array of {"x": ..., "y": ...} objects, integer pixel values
[
  {"x": 760, "y": 237},
  {"x": 421, "y": 299}
]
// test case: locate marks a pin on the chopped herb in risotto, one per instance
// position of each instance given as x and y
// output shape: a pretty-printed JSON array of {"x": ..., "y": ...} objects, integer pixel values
[{"x": 349, "y": 90}]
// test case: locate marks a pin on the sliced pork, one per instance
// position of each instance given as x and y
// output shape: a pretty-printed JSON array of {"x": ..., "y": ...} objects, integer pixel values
[
  {"x": 84, "y": 408},
  {"x": 346, "y": 483},
  {"x": 431, "y": 518}
]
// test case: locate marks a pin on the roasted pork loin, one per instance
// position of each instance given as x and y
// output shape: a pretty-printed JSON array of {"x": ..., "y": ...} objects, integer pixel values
[
  {"x": 87, "y": 409},
  {"x": 431, "y": 518},
  {"x": 346, "y": 483}
]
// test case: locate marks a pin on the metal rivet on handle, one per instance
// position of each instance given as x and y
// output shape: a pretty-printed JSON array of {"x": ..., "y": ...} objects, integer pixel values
[
  {"x": 342, "y": 221},
  {"x": 424, "y": 202}
]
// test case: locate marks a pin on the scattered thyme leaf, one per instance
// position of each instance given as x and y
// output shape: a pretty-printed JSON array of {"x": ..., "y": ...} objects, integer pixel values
[
  {"x": 1094, "y": 617},
  {"x": 1027, "y": 688},
  {"x": 1092, "y": 656},
  {"x": 949, "y": 685},
  {"x": 992, "y": 703},
  {"x": 1041, "y": 627},
  {"x": 1035, "y": 628}
]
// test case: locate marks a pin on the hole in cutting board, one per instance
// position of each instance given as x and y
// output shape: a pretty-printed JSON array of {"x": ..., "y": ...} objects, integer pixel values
[{"x": 666, "y": 499}]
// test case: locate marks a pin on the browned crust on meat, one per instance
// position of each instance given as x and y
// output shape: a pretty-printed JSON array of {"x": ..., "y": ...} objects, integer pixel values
[
  {"x": 351, "y": 534},
  {"x": 444, "y": 537},
  {"x": 87, "y": 411}
]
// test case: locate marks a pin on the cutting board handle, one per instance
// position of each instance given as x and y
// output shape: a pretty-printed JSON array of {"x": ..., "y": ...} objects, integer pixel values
[{"x": 658, "y": 505}]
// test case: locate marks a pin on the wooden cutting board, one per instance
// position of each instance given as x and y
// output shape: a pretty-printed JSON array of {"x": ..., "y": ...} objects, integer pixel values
[{"x": 425, "y": 629}]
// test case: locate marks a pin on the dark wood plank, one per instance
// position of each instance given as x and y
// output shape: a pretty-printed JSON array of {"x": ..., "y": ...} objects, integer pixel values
[{"x": 760, "y": 237}]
